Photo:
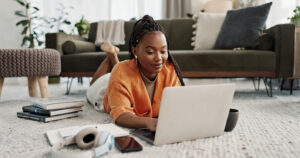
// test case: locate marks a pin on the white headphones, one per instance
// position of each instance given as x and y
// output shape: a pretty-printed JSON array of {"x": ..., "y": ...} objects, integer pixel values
[{"x": 101, "y": 142}]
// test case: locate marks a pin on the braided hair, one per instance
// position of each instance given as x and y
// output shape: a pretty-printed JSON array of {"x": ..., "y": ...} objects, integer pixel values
[{"x": 144, "y": 26}]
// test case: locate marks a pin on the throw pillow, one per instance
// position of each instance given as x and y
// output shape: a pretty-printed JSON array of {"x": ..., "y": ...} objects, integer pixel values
[
  {"x": 242, "y": 27},
  {"x": 77, "y": 46},
  {"x": 207, "y": 29}
]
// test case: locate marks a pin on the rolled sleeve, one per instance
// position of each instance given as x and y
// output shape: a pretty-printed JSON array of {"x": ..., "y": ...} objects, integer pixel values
[{"x": 119, "y": 100}]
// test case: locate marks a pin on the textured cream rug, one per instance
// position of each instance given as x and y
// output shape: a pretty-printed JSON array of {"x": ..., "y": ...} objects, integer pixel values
[{"x": 267, "y": 127}]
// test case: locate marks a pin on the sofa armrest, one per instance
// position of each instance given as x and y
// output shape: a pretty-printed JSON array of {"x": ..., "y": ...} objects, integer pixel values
[
  {"x": 78, "y": 46},
  {"x": 56, "y": 40},
  {"x": 284, "y": 35},
  {"x": 266, "y": 42}
]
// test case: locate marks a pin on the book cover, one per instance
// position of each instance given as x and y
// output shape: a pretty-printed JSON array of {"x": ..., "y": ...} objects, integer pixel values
[
  {"x": 58, "y": 103},
  {"x": 43, "y": 118},
  {"x": 35, "y": 109}
]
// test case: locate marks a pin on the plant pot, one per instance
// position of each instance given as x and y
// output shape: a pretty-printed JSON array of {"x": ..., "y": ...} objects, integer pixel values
[
  {"x": 84, "y": 35},
  {"x": 296, "y": 22}
]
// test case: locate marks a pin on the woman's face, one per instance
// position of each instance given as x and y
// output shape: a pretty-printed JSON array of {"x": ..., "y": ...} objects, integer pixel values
[{"x": 151, "y": 53}]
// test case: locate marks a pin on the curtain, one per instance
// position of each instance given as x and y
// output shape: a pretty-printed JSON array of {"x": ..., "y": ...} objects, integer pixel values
[
  {"x": 176, "y": 8},
  {"x": 95, "y": 10}
]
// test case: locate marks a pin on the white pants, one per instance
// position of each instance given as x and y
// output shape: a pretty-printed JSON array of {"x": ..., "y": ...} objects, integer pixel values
[{"x": 95, "y": 93}]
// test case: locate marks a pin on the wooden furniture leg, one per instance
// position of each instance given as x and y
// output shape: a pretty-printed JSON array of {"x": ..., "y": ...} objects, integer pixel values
[
  {"x": 43, "y": 84},
  {"x": 1, "y": 84},
  {"x": 32, "y": 86}
]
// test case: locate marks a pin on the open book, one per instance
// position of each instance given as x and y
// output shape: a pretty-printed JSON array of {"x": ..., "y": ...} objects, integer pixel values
[{"x": 57, "y": 135}]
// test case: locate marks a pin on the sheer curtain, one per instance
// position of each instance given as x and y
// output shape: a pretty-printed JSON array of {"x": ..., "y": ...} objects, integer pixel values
[
  {"x": 96, "y": 10},
  {"x": 176, "y": 8}
]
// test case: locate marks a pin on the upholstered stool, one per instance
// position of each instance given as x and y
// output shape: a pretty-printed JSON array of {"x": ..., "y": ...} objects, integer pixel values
[{"x": 35, "y": 64}]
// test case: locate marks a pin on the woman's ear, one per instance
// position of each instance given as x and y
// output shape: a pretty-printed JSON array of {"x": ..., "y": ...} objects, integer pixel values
[{"x": 133, "y": 49}]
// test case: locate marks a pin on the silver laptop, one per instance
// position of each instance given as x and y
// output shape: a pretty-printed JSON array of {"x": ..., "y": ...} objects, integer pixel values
[{"x": 190, "y": 112}]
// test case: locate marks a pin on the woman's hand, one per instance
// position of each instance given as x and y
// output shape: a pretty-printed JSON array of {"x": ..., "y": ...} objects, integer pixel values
[
  {"x": 130, "y": 120},
  {"x": 151, "y": 124}
]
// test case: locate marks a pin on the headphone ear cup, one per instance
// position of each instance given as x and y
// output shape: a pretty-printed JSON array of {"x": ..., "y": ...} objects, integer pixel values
[
  {"x": 85, "y": 139},
  {"x": 98, "y": 139}
]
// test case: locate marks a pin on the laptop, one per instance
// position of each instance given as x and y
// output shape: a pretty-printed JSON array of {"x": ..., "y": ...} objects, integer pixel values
[{"x": 190, "y": 112}]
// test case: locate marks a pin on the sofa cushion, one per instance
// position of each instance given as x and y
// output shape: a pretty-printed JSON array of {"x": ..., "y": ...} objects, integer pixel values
[
  {"x": 77, "y": 46},
  {"x": 225, "y": 60},
  {"x": 181, "y": 34},
  {"x": 242, "y": 27},
  {"x": 86, "y": 62},
  {"x": 207, "y": 30},
  {"x": 188, "y": 60}
]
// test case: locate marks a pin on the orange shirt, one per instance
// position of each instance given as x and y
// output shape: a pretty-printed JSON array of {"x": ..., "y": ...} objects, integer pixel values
[{"x": 127, "y": 92}]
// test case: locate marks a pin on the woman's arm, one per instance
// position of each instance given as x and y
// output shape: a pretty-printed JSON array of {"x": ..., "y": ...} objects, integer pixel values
[{"x": 132, "y": 121}]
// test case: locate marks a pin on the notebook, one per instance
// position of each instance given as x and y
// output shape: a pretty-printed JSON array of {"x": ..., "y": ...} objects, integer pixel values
[{"x": 190, "y": 112}]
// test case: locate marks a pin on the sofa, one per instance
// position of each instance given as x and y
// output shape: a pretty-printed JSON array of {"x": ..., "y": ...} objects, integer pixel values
[{"x": 273, "y": 57}]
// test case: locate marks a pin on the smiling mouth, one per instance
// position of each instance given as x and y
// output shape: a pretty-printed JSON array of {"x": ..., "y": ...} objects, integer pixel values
[{"x": 157, "y": 66}]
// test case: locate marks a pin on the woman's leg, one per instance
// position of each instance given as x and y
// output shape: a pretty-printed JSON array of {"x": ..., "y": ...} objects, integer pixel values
[{"x": 109, "y": 62}]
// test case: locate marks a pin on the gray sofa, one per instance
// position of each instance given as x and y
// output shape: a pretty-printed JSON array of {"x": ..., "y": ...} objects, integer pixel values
[{"x": 274, "y": 57}]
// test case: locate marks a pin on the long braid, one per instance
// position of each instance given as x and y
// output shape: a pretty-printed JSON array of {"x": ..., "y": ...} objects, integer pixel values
[{"x": 144, "y": 26}]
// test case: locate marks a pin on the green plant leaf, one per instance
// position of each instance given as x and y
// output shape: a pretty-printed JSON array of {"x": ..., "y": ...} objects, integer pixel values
[
  {"x": 66, "y": 22},
  {"x": 36, "y": 8},
  {"x": 26, "y": 38},
  {"x": 21, "y": 2},
  {"x": 34, "y": 33},
  {"x": 24, "y": 31},
  {"x": 23, "y": 22},
  {"x": 40, "y": 42},
  {"x": 20, "y": 13},
  {"x": 35, "y": 17},
  {"x": 27, "y": 5}
]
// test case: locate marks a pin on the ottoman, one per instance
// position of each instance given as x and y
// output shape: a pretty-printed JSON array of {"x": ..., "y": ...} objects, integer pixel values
[{"x": 35, "y": 64}]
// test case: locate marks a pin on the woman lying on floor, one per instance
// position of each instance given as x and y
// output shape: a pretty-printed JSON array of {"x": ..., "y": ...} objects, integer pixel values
[{"x": 135, "y": 86}]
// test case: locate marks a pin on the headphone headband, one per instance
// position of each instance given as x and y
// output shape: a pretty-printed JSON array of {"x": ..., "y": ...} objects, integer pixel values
[{"x": 102, "y": 141}]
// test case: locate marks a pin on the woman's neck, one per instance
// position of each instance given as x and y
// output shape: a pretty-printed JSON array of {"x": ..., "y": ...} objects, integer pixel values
[{"x": 151, "y": 77}]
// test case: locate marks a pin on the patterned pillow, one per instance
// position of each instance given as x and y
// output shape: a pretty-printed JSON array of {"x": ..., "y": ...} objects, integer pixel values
[{"x": 208, "y": 27}]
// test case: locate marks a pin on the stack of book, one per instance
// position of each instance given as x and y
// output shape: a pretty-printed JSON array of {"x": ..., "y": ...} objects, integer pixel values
[{"x": 52, "y": 109}]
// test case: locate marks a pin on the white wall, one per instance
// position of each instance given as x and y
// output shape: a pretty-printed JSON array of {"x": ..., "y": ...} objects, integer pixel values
[{"x": 10, "y": 33}]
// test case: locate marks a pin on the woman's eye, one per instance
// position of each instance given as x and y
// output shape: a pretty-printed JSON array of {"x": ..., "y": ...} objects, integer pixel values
[
  {"x": 163, "y": 52},
  {"x": 149, "y": 52}
]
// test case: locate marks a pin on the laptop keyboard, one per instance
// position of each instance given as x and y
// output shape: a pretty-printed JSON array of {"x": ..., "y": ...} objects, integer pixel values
[{"x": 144, "y": 132}]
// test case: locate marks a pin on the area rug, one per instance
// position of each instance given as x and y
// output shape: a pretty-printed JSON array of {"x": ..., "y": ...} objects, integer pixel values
[{"x": 267, "y": 127}]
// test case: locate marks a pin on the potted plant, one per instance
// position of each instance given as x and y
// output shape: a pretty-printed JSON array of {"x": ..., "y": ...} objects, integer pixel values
[
  {"x": 30, "y": 29},
  {"x": 296, "y": 18},
  {"x": 83, "y": 27}
]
